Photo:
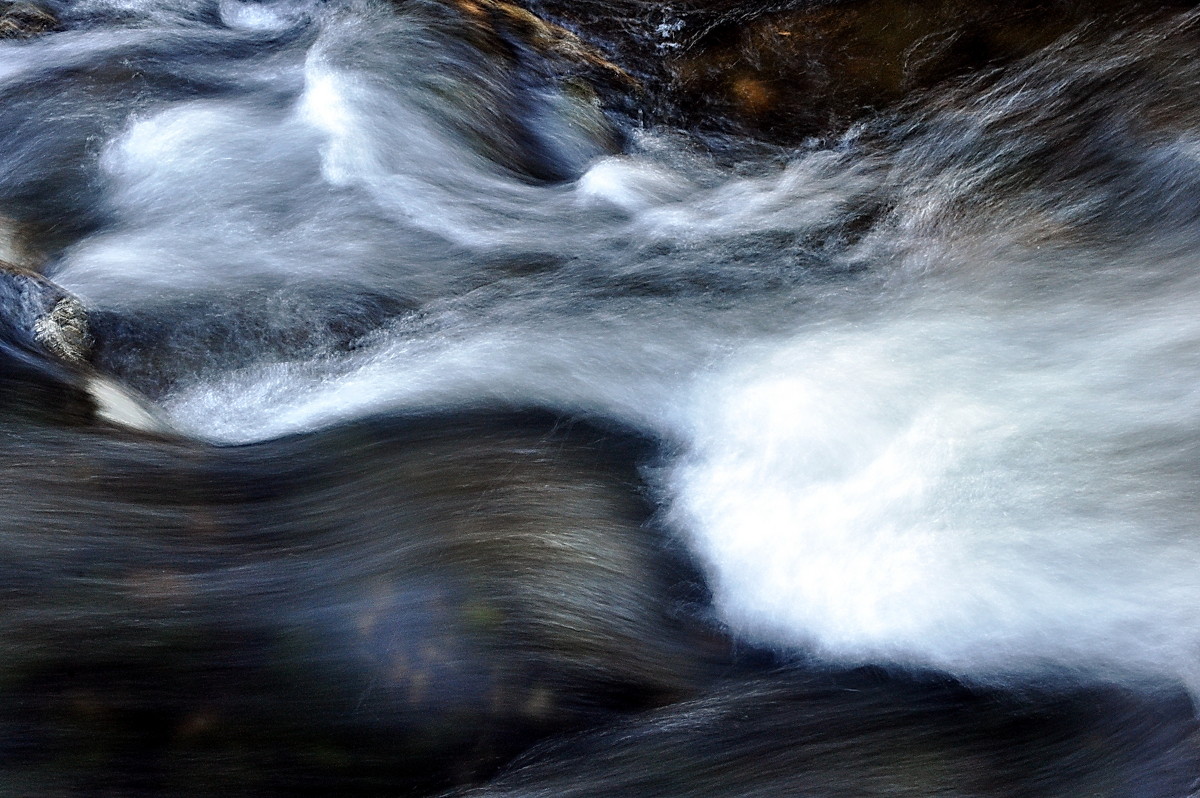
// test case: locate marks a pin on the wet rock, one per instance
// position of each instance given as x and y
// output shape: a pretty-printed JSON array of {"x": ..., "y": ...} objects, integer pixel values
[
  {"x": 45, "y": 353},
  {"x": 20, "y": 20},
  {"x": 521, "y": 91},
  {"x": 64, "y": 331},
  {"x": 39, "y": 314},
  {"x": 870, "y": 734},
  {"x": 515, "y": 25},
  {"x": 15, "y": 247},
  {"x": 391, "y": 606},
  {"x": 790, "y": 71}
]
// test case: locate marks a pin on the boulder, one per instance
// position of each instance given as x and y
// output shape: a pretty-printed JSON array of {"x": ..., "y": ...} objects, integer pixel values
[
  {"x": 20, "y": 20},
  {"x": 39, "y": 315},
  {"x": 389, "y": 607},
  {"x": 45, "y": 353},
  {"x": 790, "y": 71},
  {"x": 870, "y": 733}
]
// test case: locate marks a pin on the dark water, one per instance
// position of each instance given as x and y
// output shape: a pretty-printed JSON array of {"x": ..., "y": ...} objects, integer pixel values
[{"x": 457, "y": 411}]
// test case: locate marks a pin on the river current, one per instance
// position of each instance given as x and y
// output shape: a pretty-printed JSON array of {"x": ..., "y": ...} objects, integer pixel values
[{"x": 924, "y": 392}]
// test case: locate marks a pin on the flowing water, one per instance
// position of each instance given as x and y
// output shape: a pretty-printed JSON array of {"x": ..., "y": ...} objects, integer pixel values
[{"x": 925, "y": 393}]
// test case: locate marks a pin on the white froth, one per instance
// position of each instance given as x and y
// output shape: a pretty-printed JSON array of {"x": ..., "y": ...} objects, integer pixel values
[
  {"x": 937, "y": 491},
  {"x": 631, "y": 184},
  {"x": 116, "y": 404},
  {"x": 258, "y": 16}
]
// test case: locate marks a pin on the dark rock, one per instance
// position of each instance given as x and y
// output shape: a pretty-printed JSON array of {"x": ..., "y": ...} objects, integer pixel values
[
  {"x": 20, "y": 20},
  {"x": 847, "y": 735},
  {"x": 792, "y": 70},
  {"x": 45, "y": 349},
  {"x": 542, "y": 116},
  {"x": 510, "y": 23},
  {"x": 394, "y": 605}
]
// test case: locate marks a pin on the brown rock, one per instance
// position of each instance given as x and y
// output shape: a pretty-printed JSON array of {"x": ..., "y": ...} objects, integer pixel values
[
  {"x": 786, "y": 74},
  {"x": 15, "y": 244},
  {"x": 499, "y": 18},
  {"x": 21, "y": 20}
]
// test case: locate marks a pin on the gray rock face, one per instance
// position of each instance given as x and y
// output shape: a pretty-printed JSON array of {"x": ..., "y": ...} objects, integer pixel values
[
  {"x": 45, "y": 338},
  {"x": 44, "y": 315},
  {"x": 64, "y": 331}
]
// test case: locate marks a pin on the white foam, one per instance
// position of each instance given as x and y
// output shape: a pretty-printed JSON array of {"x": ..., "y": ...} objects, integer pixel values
[
  {"x": 259, "y": 16},
  {"x": 117, "y": 404},
  {"x": 632, "y": 184},
  {"x": 953, "y": 489}
]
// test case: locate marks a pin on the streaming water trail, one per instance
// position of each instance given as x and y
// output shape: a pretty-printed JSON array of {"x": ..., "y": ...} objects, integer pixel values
[{"x": 928, "y": 388}]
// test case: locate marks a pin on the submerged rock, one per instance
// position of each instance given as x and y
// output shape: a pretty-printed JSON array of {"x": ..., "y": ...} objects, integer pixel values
[
  {"x": 156, "y": 345},
  {"x": 869, "y": 734},
  {"x": 14, "y": 246},
  {"x": 521, "y": 91},
  {"x": 390, "y": 606}
]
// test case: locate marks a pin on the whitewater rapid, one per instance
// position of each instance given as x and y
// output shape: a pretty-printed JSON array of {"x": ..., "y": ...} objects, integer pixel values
[{"x": 927, "y": 394}]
